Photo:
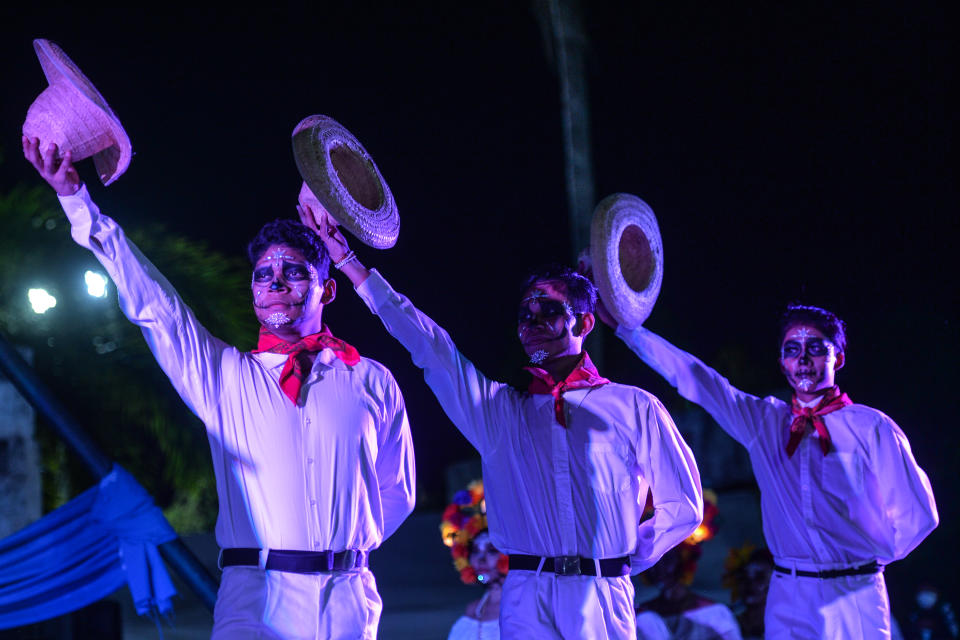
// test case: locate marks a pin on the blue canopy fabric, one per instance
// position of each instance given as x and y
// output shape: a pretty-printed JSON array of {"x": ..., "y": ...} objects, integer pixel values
[{"x": 84, "y": 551}]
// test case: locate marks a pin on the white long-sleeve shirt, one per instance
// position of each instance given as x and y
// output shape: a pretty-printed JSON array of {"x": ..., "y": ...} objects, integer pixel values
[
  {"x": 551, "y": 490},
  {"x": 335, "y": 471},
  {"x": 866, "y": 500}
]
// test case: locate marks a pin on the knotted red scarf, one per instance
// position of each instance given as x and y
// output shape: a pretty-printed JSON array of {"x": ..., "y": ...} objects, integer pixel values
[
  {"x": 805, "y": 416},
  {"x": 291, "y": 378},
  {"x": 583, "y": 375}
]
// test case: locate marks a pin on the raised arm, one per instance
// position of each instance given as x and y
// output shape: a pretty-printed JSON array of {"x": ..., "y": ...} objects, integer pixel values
[
  {"x": 477, "y": 405},
  {"x": 740, "y": 414},
  {"x": 188, "y": 354}
]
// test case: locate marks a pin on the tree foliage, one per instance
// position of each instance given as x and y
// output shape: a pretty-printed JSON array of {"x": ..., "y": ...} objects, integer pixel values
[{"x": 97, "y": 363}]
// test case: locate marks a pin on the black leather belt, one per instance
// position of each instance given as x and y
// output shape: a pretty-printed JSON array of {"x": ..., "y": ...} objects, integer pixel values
[
  {"x": 862, "y": 570},
  {"x": 296, "y": 561},
  {"x": 572, "y": 565}
]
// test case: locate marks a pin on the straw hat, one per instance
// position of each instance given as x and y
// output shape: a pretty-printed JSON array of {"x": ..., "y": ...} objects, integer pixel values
[
  {"x": 72, "y": 114},
  {"x": 627, "y": 256},
  {"x": 342, "y": 176}
]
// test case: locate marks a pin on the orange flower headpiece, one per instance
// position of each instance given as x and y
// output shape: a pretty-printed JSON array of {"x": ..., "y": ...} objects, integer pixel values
[{"x": 463, "y": 520}]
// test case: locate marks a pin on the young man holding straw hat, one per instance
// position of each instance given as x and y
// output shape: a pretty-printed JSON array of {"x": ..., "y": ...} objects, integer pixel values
[
  {"x": 564, "y": 464},
  {"x": 311, "y": 446},
  {"x": 841, "y": 494}
]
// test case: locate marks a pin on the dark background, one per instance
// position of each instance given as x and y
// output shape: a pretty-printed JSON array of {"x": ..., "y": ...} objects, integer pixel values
[{"x": 795, "y": 153}]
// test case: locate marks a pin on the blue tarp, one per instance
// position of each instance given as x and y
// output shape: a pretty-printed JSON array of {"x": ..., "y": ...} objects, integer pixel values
[{"x": 85, "y": 550}]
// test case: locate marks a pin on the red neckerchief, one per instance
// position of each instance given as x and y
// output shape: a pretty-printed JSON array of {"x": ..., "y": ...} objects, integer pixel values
[
  {"x": 805, "y": 416},
  {"x": 291, "y": 378},
  {"x": 583, "y": 375}
]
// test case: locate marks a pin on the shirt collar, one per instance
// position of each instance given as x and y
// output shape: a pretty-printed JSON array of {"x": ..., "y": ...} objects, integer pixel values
[{"x": 325, "y": 357}]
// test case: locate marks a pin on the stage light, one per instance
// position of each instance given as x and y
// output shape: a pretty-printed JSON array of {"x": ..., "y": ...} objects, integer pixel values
[
  {"x": 96, "y": 284},
  {"x": 40, "y": 300}
]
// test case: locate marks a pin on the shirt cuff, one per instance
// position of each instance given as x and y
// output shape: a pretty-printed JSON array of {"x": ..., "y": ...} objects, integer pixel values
[
  {"x": 80, "y": 211},
  {"x": 374, "y": 291}
]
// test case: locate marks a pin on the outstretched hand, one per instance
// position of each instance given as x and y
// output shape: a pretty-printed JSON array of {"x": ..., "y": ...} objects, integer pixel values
[
  {"x": 323, "y": 224},
  {"x": 57, "y": 170},
  {"x": 585, "y": 268}
]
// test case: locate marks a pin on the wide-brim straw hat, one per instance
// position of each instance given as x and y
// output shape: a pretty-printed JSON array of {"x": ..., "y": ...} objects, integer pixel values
[
  {"x": 627, "y": 256},
  {"x": 72, "y": 114},
  {"x": 344, "y": 179}
]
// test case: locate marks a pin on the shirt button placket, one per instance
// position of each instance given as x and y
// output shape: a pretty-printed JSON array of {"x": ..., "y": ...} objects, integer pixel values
[
  {"x": 564, "y": 485},
  {"x": 310, "y": 480}
]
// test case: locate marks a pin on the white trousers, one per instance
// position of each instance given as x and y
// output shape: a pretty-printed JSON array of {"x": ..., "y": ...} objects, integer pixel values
[
  {"x": 552, "y": 607},
  {"x": 253, "y": 604},
  {"x": 814, "y": 608}
]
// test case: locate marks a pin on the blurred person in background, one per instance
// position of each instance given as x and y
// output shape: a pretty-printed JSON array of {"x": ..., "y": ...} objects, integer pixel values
[{"x": 477, "y": 561}]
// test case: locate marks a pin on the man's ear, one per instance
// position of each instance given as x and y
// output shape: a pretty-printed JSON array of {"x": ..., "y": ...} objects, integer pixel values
[
  {"x": 329, "y": 291},
  {"x": 584, "y": 325},
  {"x": 841, "y": 360}
]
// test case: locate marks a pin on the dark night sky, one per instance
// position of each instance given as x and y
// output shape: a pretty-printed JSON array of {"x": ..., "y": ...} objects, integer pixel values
[{"x": 790, "y": 153}]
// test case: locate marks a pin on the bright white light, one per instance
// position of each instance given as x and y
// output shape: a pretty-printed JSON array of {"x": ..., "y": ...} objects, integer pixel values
[
  {"x": 40, "y": 300},
  {"x": 96, "y": 284}
]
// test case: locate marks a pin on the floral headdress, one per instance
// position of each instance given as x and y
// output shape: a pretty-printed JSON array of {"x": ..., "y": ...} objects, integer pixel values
[{"x": 463, "y": 520}]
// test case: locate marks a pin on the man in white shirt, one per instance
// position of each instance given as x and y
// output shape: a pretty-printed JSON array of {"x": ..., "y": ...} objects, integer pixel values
[
  {"x": 310, "y": 441},
  {"x": 566, "y": 465},
  {"x": 841, "y": 494}
]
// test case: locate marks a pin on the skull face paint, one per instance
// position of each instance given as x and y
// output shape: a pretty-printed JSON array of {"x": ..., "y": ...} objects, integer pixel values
[
  {"x": 538, "y": 356},
  {"x": 485, "y": 559},
  {"x": 809, "y": 361},
  {"x": 287, "y": 291},
  {"x": 545, "y": 322},
  {"x": 278, "y": 319}
]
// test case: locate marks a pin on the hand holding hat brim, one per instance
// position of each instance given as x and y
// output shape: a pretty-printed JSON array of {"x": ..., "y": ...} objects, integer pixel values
[
  {"x": 72, "y": 114},
  {"x": 343, "y": 178}
]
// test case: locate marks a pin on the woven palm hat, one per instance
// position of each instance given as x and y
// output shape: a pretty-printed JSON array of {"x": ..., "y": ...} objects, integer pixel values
[
  {"x": 627, "y": 256},
  {"x": 72, "y": 114},
  {"x": 342, "y": 176}
]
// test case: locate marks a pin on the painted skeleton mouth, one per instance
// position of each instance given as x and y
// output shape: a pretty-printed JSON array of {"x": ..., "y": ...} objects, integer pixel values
[
  {"x": 540, "y": 336},
  {"x": 279, "y": 303}
]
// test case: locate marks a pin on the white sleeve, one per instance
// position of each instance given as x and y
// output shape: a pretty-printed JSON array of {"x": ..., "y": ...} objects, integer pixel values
[
  {"x": 740, "y": 414},
  {"x": 186, "y": 352},
  {"x": 906, "y": 498},
  {"x": 667, "y": 463},
  {"x": 395, "y": 466},
  {"x": 478, "y": 406}
]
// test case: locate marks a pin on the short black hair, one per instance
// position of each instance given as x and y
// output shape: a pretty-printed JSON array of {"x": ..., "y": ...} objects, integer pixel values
[
  {"x": 581, "y": 293},
  {"x": 296, "y": 236},
  {"x": 824, "y": 321}
]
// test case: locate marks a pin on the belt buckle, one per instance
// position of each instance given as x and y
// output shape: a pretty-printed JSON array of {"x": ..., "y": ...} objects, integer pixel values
[
  {"x": 566, "y": 565},
  {"x": 348, "y": 560}
]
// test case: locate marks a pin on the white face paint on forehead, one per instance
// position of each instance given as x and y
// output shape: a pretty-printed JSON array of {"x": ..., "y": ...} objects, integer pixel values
[
  {"x": 280, "y": 255},
  {"x": 537, "y": 293},
  {"x": 803, "y": 333}
]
